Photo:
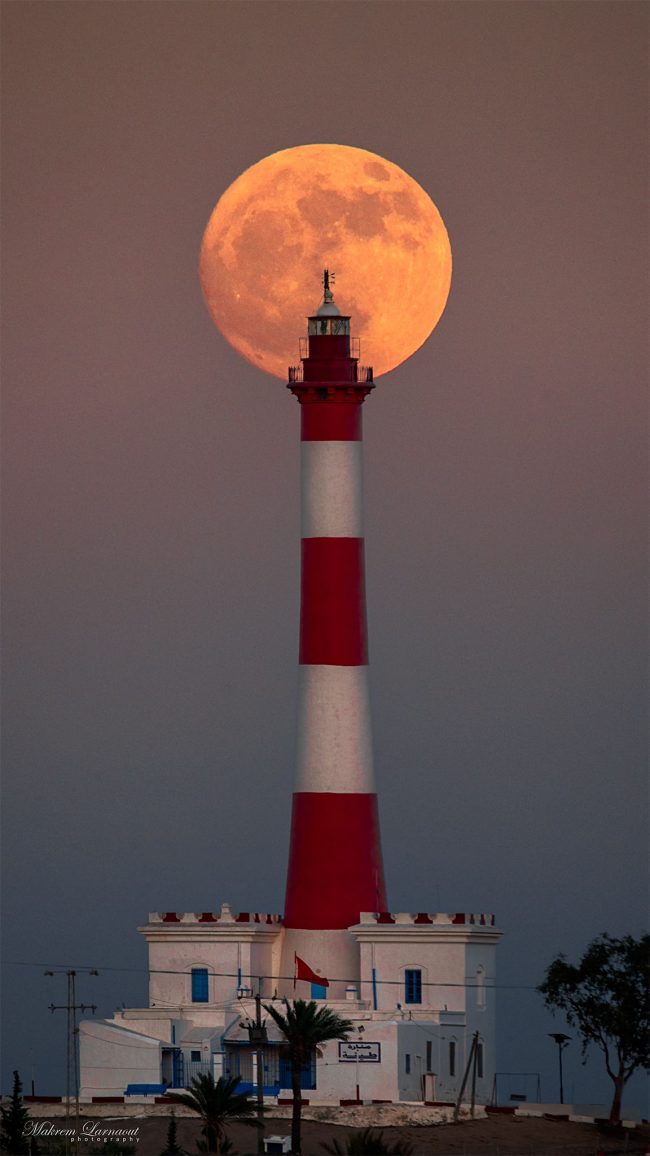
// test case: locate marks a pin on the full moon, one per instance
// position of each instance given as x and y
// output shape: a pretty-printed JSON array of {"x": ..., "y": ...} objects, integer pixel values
[{"x": 319, "y": 206}]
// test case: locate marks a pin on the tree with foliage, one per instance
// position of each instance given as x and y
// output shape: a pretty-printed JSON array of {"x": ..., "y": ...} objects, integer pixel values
[
  {"x": 172, "y": 1147},
  {"x": 14, "y": 1130},
  {"x": 605, "y": 998},
  {"x": 218, "y": 1104},
  {"x": 304, "y": 1026},
  {"x": 367, "y": 1143}
]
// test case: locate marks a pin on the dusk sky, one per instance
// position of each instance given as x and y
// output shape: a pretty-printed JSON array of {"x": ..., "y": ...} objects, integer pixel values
[{"x": 151, "y": 488}]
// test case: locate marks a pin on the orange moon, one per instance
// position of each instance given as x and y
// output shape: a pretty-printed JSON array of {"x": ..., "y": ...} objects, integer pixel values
[{"x": 319, "y": 206}]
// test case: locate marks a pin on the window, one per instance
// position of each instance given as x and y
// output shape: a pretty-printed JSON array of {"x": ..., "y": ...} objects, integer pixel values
[
  {"x": 407, "y": 1064},
  {"x": 412, "y": 985},
  {"x": 479, "y": 1061},
  {"x": 318, "y": 991},
  {"x": 195, "y": 1057},
  {"x": 307, "y": 1071},
  {"x": 199, "y": 985},
  {"x": 429, "y": 1056},
  {"x": 452, "y": 1057}
]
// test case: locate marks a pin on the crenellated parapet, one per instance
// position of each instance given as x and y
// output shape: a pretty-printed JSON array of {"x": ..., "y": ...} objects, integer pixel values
[
  {"x": 224, "y": 917},
  {"x": 424, "y": 917},
  {"x": 206, "y": 927}
]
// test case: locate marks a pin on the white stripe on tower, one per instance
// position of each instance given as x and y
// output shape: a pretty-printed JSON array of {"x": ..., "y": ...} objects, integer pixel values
[
  {"x": 332, "y": 501},
  {"x": 334, "y": 737}
]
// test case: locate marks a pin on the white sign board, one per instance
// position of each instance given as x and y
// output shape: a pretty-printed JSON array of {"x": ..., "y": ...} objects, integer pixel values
[{"x": 361, "y": 1051}]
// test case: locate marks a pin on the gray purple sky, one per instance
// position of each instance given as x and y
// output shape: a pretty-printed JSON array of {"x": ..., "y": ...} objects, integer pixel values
[{"x": 151, "y": 517}]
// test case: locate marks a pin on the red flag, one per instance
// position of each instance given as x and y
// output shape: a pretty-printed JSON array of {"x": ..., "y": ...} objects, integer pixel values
[{"x": 303, "y": 971}]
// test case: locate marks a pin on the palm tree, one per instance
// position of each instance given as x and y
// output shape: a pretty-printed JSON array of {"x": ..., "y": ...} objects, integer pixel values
[
  {"x": 218, "y": 1104},
  {"x": 368, "y": 1143},
  {"x": 304, "y": 1026}
]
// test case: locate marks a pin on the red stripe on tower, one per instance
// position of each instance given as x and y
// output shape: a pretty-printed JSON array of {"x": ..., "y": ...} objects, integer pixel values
[
  {"x": 335, "y": 863},
  {"x": 333, "y": 610}
]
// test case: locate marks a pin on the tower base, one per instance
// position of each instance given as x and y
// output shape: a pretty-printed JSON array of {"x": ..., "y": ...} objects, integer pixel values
[{"x": 331, "y": 954}]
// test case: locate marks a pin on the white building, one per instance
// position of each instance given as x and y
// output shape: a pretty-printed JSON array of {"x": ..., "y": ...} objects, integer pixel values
[{"x": 424, "y": 987}]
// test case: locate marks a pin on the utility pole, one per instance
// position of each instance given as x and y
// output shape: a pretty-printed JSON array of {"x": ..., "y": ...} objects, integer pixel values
[
  {"x": 72, "y": 1050},
  {"x": 471, "y": 1060},
  {"x": 474, "y": 1067},
  {"x": 257, "y": 1035}
]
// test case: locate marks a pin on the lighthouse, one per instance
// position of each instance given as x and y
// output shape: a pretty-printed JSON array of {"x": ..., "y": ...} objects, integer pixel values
[
  {"x": 335, "y": 865},
  {"x": 417, "y": 985}
]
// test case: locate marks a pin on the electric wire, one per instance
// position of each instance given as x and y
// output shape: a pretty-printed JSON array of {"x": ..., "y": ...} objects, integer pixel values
[{"x": 273, "y": 978}]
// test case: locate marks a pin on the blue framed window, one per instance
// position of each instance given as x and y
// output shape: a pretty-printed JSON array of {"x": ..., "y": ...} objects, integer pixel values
[
  {"x": 199, "y": 985},
  {"x": 412, "y": 985},
  {"x": 307, "y": 1071}
]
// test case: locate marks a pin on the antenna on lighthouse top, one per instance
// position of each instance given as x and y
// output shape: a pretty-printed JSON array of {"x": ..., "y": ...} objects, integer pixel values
[
  {"x": 329, "y": 307},
  {"x": 327, "y": 292}
]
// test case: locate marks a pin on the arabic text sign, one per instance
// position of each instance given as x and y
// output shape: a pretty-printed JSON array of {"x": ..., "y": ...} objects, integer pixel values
[{"x": 363, "y": 1051}]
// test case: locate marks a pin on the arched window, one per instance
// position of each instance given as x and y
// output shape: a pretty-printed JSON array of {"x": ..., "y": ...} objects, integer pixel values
[{"x": 199, "y": 985}]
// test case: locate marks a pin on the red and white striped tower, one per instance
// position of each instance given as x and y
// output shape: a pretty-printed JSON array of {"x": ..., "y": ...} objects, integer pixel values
[{"x": 335, "y": 864}]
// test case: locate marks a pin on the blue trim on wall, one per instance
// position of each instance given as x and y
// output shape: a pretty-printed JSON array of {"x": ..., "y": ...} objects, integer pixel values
[{"x": 374, "y": 989}]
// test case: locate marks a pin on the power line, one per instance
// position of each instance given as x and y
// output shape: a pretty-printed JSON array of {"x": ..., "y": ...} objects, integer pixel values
[
  {"x": 90, "y": 969},
  {"x": 72, "y": 1051}
]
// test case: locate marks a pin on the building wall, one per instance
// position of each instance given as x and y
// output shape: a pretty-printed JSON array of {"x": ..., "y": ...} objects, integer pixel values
[
  {"x": 481, "y": 1011},
  {"x": 433, "y": 943},
  {"x": 336, "y": 1079},
  {"x": 441, "y": 964},
  {"x": 171, "y": 963},
  {"x": 235, "y": 950},
  {"x": 411, "y": 1061},
  {"x": 112, "y": 1058}
]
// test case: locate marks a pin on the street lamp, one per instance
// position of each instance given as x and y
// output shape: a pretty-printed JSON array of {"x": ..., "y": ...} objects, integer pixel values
[{"x": 562, "y": 1042}]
